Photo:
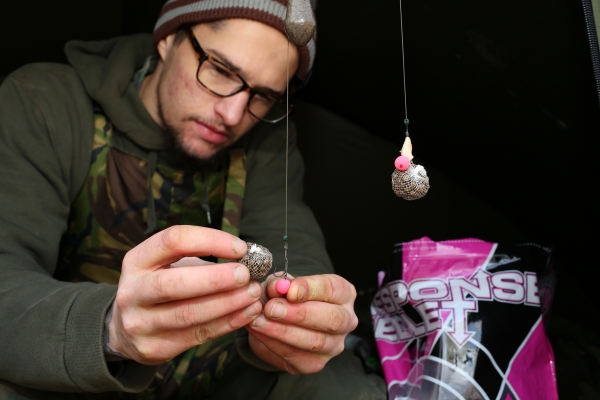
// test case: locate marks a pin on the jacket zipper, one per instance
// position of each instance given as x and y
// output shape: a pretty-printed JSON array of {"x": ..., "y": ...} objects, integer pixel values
[{"x": 593, "y": 41}]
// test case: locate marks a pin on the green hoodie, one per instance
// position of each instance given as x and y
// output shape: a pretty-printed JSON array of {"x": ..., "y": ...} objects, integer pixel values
[{"x": 51, "y": 331}]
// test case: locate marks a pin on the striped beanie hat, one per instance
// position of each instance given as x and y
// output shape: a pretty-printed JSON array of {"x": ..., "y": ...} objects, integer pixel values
[{"x": 176, "y": 13}]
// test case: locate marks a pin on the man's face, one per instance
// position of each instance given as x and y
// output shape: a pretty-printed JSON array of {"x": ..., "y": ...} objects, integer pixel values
[{"x": 201, "y": 122}]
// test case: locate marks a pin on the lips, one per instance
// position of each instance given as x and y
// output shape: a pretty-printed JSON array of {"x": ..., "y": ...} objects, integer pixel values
[{"x": 210, "y": 133}]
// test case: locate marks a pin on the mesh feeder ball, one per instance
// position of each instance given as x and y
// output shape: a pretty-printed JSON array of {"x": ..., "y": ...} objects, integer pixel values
[
  {"x": 409, "y": 180},
  {"x": 258, "y": 259}
]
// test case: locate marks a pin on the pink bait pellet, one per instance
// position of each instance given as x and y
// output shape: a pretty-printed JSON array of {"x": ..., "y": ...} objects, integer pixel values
[
  {"x": 402, "y": 163},
  {"x": 283, "y": 285}
]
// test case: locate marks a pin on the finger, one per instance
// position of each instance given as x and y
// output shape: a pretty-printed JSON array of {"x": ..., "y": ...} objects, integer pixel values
[
  {"x": 301, "y": 338},
  {"x": 327, "y": 288},
  {"x": 314, "y": 315},
  {"x": 285, "y": 356},
  {"x": 190, "y": 262},
  {"x": 265, "y": 354},
  {"x": 201, "y": 310},
  {"x": 265, "y": 284},
  {"x": 166, "y": 345},
  {"x": 171, "y": 244},
  {"x": 225, "y": 324},
  {"x": 180, "y": 283}
]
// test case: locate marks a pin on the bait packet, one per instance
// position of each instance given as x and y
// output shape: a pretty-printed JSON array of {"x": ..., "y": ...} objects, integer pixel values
[{"x": 464, "y": 319}]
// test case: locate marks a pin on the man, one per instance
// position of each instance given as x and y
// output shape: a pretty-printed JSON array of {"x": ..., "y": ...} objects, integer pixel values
[{"x": 115, "y": 170}]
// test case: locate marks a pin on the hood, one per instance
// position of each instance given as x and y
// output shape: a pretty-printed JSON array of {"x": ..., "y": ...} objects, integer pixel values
[{"x": 107, "y": 69}]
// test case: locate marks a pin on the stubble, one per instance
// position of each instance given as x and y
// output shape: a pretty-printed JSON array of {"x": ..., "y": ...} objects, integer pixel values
[{"x": 181, "y": 152}]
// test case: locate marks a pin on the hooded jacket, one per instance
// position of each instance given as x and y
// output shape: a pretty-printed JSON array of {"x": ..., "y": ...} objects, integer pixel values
[{"x": 51, "y": 330}]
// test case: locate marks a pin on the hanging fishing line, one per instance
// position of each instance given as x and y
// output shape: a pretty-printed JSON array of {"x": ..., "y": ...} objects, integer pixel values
[
  {"x": 284, "y": 273},
  {"x": 403, "y": 70},
  {"x": 259, "y": 259},
  {"x": 409, "y": 180},
  {"x": 300, "y": 26},
  {"x": 283, "y": 285}
]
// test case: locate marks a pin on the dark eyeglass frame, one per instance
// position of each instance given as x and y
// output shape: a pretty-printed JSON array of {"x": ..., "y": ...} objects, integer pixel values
[{"x": 204, "y": 56}]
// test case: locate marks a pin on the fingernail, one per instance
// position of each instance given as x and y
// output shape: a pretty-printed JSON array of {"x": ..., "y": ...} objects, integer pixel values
[
  {"x": 278, "y": 310},
  {"x": 252, "y": 310},
  {"x": 301, "y": 292},
  {"x": 260, "y": 321},
  {"x": 254, "y": 290},
  {"x": 241, "y": 274},
  {"x": 238, "y": 246}
]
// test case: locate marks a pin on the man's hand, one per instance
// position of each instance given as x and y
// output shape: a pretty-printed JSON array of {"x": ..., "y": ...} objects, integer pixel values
[
  {"x": 161, "y": 311},
  {"x": 302, "y": 331}
]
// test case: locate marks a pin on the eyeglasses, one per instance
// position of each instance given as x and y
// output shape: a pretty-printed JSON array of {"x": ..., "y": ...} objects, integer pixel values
[{"x": 217, "y": 78}]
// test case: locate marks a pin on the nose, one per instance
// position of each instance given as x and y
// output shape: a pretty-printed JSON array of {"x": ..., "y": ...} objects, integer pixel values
[{"x": 231, "y": 109}]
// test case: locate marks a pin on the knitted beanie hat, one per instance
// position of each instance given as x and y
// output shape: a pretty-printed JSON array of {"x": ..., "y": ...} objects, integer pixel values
[{"x": 176, "y": 13}]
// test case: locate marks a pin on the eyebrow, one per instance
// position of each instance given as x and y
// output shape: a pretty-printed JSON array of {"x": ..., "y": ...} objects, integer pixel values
[{"x": 238, "y": 70}]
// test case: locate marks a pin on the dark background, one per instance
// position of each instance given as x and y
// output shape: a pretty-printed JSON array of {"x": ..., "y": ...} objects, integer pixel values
[{"x": 501, "y": 99}]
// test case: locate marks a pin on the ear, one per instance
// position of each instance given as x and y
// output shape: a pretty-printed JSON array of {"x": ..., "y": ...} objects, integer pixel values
[{"x": 165, "y": 46}]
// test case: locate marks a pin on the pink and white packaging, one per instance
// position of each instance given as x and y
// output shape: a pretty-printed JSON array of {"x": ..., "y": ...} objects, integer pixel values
[{"x": 464, "y": 319}]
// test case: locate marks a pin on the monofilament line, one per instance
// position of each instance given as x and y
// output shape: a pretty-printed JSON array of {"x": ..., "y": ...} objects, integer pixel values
[
  {"x": 403, "y": 69},
  {"x": 287, "y": 135},
  {"x": 287, "y": 152}
]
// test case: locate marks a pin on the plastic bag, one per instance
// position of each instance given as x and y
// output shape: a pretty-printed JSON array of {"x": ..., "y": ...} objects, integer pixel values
[{"x": 464, "y": 319}]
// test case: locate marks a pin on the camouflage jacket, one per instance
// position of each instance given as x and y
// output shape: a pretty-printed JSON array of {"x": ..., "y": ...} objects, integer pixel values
[{"x": 111, "y": 213}]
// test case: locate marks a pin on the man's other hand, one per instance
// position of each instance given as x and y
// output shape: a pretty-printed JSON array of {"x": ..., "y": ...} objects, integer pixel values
[
  {"x": 164, "y": 307},
  {"x": 300, "y": 332}
]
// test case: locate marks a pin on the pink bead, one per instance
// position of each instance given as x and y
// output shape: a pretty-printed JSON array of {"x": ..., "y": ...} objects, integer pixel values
[
  {"x": 283, "y": 285},
  {"x": 402, "y": 163}
]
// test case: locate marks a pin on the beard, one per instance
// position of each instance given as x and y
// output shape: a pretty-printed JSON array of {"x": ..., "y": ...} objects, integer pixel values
[
  {"x": 182, "y": 153},
  {"x": 193, "y": 161}
]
